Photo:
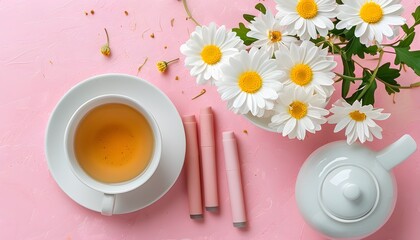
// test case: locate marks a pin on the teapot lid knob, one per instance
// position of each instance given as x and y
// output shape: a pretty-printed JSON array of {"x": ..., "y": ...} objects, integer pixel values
[{"x": 349, "y": 193}]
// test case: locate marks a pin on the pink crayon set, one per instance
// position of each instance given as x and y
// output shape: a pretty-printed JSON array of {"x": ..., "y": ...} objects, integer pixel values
[{"x": 207, "y": 147}]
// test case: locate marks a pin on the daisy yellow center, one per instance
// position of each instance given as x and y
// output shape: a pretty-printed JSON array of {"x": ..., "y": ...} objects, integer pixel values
[
  {"x": 298, "y": 109},
  {"x": 371, "y": 12},
  {"x": 301, "y": 74},
  {"x": 211, "y": 54},
  {"x": 307, "y": 9},
  {"x": 274, "y": 36},
  {"x": 357, "y": 116},
  {"x": 250, "y": 82}
]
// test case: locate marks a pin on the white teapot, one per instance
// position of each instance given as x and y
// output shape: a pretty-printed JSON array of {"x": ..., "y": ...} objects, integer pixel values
[{"x": 348, "y": 191}]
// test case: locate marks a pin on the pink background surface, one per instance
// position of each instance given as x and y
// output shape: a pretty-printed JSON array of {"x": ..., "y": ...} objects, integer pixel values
[{"x": 49, "y": 46}]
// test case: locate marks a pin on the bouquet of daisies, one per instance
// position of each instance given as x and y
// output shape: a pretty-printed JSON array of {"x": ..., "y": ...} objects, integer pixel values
[{"x": 281, "y": 67}]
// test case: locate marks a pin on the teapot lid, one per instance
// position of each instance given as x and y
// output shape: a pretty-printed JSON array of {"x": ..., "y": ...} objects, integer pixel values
[{"x": 349, "y": 193}]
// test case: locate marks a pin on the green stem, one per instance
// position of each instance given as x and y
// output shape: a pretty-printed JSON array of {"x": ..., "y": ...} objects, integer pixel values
[
  {"x": 389, "y": 52},
  {"x": 360, "y": 65},
  {"x": 373, "y": 77},
  {"x": 413, "y": 85},
  {"x": 187, "y": 10},
  {"x": 347, "y": 77},
  {"x": 320, "y": 43},
  {"x": 392, "y": 44}
]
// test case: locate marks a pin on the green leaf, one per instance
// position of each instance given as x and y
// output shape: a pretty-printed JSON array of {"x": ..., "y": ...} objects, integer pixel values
[
  {"x": 409, "y": 58},
  {"x": 339, "y": 1},
  {"x": 345, "y": 87},
  {"x": 386, "y": 73},
  {"x": 333, "y": 48},
  {"x": 369, "y": 96},
  {"x": 338, "y": 32},
  {"x": 389, "y": 75},
  {"x": 249, "y": 18},
  {"x": 372, "y": 50},
  {"x": 350, "y": 33},
  {"x": 416, "y": 15},
  {"x": 406, "y": 29},
  {"x": 260, "y": 7},
  {"x": 241, "y": 33},
  {"x": 348, "y": 66},
  {"x": 354, "y": 47},
  {"x": 407, "y": 40}
]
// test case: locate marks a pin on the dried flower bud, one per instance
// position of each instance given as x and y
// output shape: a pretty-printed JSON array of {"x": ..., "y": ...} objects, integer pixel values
[
  {"x": 163, "y": 65},
  {"x": 105, "y": 50}
]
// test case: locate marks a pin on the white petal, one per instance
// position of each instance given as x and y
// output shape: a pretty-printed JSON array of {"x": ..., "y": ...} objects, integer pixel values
[
  {"x": 230, "y": 93},
  {"x": 311, "y": 29},
  {"x": 351, "y": 137},
  {"x": 360, "y": 29},
  {"x": 390, "y": 9},
  {"x": 268, "y": 93},
  {"x": 280, "y": 118},
  {"x": 342, "y": 124},
  {"x": 301, "y": 131},
  {"x": 394, "y": 20},
  {"x": 323, "y": 65},
  {"x": 350, "y": 127},
  {"x": 360, "y": 133},
  {"x": 239, "y": 100},
  {"x": 318, "y": 22},
  {"x": 289, "y": 19},
  {"x": 290, "y": 125},
  {"x": 299, "y": 23},
  {"x": 377, "y": 132},
  {"x": 342, "y": 25},
  {"x": 387, "y": 30},
  {"x": 308, "y": 123}
]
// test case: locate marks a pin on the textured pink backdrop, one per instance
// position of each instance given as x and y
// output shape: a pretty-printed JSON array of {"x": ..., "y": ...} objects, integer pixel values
[{"x": 49, "y": 46}]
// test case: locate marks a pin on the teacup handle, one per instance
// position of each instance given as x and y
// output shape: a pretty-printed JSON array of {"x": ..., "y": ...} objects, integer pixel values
[{"x": 108, "y": 204}]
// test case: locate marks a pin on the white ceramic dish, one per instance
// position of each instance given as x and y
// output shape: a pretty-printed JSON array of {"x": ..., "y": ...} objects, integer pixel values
[
  {"x": 260, "y": 122},
  {"x": 167, "y": 117}
]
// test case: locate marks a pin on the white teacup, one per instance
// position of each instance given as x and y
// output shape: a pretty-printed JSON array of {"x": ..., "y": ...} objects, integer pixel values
[{"x": 111, "y": 189}]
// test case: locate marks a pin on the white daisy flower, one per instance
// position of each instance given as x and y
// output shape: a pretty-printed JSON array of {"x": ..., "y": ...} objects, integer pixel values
[
  {"x": 250, "y": 82},
  {"x": 207, "y": 49},
  {"x": 358, "y": 120},
  {"x": 297, "y": 112},
  {"x": 306, "y": 17},
  {"x": 269, "y": 33},
  {"x": 307, "y": 66},
  {"x": 372, "y": 18}
]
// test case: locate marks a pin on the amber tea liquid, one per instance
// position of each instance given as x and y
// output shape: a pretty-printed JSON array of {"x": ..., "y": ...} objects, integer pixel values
[{"x": 114, "y": 143}]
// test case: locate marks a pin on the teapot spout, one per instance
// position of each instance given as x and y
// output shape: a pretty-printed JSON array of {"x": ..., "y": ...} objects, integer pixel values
[{"x": 397, "y": 152}]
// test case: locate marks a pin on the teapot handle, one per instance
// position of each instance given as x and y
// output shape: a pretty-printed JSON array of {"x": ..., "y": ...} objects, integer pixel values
[{"x": 397, "y": 152}]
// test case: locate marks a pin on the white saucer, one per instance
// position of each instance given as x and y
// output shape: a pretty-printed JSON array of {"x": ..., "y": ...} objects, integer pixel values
[{"x": 168, "y": 120}]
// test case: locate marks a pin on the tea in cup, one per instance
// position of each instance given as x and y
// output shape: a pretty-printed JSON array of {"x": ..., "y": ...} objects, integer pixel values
[{"x": 113, "y": 146}]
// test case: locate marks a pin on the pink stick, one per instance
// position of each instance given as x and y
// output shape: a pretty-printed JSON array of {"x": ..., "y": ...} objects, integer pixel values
[
  {"x": 208, "y": 158},
  {"x": 192, "y": 166},
  {"x": 233, "y": 172}
]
